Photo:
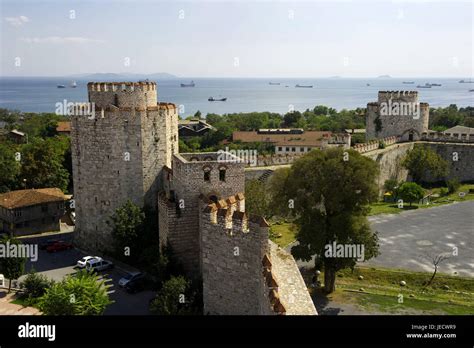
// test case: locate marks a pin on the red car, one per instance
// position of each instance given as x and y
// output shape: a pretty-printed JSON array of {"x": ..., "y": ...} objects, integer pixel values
[{"x": 58, "y": 246}]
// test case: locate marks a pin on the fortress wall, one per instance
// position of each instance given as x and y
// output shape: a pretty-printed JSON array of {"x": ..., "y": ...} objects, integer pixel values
[{"x": 463, "y": 168}]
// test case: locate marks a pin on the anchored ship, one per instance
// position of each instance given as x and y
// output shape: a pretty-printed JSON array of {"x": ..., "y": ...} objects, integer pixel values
[{"x": 191, "y": 84}]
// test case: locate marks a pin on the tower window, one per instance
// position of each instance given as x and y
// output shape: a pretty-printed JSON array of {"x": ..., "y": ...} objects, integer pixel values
[
  {"x": 222, "y": 174},
  {"x": 207, "y": 174}
]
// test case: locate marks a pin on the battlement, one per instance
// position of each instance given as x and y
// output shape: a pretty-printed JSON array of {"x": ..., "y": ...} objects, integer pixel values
[
  {"x": 122, "y": 94},
  {"x": 121, "y": 86},
  {"x": 407, "y": 96},
  {"x": 272, "y": 285},
  {"x": 374, "y": 144},
  {"x": 448, "y": 137}
]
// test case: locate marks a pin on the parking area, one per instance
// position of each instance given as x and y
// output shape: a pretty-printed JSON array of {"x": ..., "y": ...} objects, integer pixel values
[{"x": 57, "y": 265}]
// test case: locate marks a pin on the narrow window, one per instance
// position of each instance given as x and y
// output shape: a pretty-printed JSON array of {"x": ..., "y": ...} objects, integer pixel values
[
  {"x": 222, "y": 174},
  {"x": 207, "y": 175}
]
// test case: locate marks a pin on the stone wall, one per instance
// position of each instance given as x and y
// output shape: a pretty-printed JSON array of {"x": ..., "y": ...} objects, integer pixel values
[
  {"x": 462, "y": 169},
  {"x": 118, "y": 155},
  {"x": 232, "y": 249},
  {"x": 187, "y": 187}
]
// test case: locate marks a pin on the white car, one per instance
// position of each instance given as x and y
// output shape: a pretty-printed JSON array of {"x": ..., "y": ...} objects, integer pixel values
[
  {"x": 98, "y": 265},
  {"x": 82, "y": 262}
]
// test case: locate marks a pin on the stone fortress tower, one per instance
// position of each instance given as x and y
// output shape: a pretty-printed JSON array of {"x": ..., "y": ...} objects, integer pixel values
[
  {"x": 127, "y": 149},
  {"x": 202, "y": 218},
  {"x": 397, "y": 113},
  {"x": 118, "y": 153}
]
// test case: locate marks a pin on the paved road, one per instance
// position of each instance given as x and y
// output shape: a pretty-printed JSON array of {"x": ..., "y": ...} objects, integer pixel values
[{"x": 407, "y": 237}]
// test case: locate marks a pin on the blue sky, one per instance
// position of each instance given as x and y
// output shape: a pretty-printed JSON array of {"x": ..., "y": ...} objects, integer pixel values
[{"x": 238, "y": 38}]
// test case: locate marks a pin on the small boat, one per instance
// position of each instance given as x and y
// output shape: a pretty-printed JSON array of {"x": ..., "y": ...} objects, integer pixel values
[
  {"x": 304, "y": 86},
  {"x": 471, "y": 90},
  {"x": 436, "y": 84},
  {"x": 61, "y": 86},
  {"x": 73, "y": 84},
  {"x": 408, "y": 82},
  {"x": 368, "y": 84},
  {"x": 464, "y": 81},
  {"x": 274, "y": 83},
  {"x": 216, "y": 99},
  {"x": 426, "y": 85},
  {"x": 191, "y": 84}
]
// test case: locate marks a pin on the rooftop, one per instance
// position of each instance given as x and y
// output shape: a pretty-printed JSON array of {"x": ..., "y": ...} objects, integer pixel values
[
  {"x": 460, "y": 129},
  {"x": 26, "y": 198},
  {"x": 63, "y": 126},
  {"x": 309, "y": 138}
]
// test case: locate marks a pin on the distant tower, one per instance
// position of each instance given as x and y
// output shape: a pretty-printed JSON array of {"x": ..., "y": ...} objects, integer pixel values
[
  {"x": 118, "y": 153},
  {"x": 397, "y": 113}
]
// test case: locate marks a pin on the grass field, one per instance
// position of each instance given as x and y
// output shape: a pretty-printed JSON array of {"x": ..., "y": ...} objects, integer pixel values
[
  {"x": 392, "y": 208},
  {"x": 283, "y": 233},
  {"x": 380, "y": 291}
]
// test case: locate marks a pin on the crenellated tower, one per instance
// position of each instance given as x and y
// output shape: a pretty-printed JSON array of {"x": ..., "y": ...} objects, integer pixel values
[
  {"x": 119, "y": 149},
  {"x": 397, "y": 113}
]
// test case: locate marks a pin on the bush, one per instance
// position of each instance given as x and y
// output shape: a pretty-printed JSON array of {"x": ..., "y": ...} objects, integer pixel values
[
  {"x": 35, "y": 285},
  {"x": 443, "y": 191},
  {"x": 411, "y": 192},
  {"x": 173, "y": 298},
  {"x": 453, "y": 185},
  {"x": 79, "y": 294}
]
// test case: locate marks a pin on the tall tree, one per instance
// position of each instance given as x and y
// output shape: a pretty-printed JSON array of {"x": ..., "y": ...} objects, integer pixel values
[
  {"x": 9, "y": 168},
  {"x": 331, "y": 191},
  {"x": 411, "y": 192},
  {"x": 422, "y": 161}
]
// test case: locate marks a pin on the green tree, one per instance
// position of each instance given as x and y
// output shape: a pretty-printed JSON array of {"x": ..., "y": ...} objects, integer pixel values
[
  {"x": 42, "y": 164},
  {"x": 392, "y": 185},
  {"x": 127, "y": 228},
  {"x": 256, "y": 198},
  {"x": 411, "y": 192},
  {"x": 331, "y": 194},
  {"x": 422, "y": 160},
  {"x": 277, "y": 190},
  {"x": 81, "y": 294},
  {"x": 453, "y": 185},
  {"x": 34, "y": 286},
  {"x": 173, "y": 298},
  {"x": 9, "y": 168},
  {"x": 11, "y": 267}
]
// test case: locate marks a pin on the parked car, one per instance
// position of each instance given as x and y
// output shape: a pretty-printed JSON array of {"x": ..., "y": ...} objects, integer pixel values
[
  {"x": 45, "y": 245},
  {"x": 98, "y": 265},
  {"x": 59, "y": 246},
  {"x": 82, "y": 262},
  {"x": 136, "y": 285},
  {"x": 129, "y": 277}
]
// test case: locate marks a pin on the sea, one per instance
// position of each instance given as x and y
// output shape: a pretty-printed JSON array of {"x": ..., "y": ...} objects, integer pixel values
[{"x": 40, "y": 94}]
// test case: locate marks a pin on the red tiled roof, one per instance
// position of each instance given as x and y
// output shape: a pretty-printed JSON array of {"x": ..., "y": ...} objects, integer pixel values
[
  {"x": 25, "y": 198},
  {"x": 63, "y": 126}
]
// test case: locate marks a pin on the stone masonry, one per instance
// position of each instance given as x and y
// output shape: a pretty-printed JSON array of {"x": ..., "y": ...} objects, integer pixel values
[
  {"x": 118, "y": 152},
  {"x": 397, "y": 113}
]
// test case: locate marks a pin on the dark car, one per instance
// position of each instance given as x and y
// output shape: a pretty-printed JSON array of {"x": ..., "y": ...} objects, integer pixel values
[
  {"x": 59, "y": 246},
  {"x": 136, "y": 285},
  {"x": 45, "y": 245}
]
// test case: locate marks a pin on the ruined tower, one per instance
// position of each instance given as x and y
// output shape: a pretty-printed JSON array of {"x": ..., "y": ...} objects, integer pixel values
[
  {"x": 119, "y": 149},
  {"x": 397, "y": 113}
]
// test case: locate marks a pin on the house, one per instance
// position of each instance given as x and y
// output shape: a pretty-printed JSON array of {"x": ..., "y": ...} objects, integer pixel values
[
  {"x": 17, "y": 137},
  {"x": 64, "y": 128},
  {"x": 193, "y": 127},
  {"x": 293, "y": 141},
  {"x": 31, "y": 211}
]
